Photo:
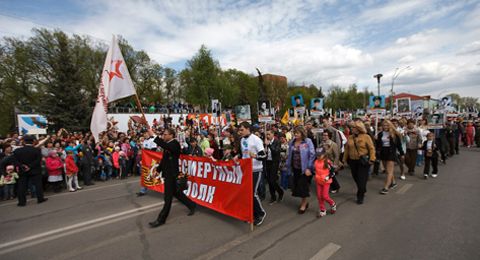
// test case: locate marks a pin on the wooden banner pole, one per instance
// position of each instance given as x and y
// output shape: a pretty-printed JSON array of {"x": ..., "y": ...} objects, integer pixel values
[{"x": 139, "y": 105}]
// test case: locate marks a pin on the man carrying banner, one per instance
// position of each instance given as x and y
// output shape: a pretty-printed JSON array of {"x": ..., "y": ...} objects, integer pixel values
[
  {"x": 169, "y": 167},
  {"x": 252, "y": 147}
]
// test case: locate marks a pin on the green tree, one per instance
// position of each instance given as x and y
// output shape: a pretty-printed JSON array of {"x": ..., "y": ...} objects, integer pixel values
[
  {"x": 244, "y": 88},
  {"x": 202, "y": 79},
  {"x": 63, "y": 92},
  {"x": 346, "y": 99},
  {"x": 58, "y": 76},
  {"x": 170, "y": 84},
  {"x": 320, "y": 92},
  {"x": 276, "y": 90},
  {"x": 16, "y": 79},
  {"x": 147, "y": 75}
]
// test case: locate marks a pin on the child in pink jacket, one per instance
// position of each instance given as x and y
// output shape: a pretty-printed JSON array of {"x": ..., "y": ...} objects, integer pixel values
[
  {"x": 115, "y": 162},
  {"x": 470, "y": 134},
  {"x": 323, "y": 179}
]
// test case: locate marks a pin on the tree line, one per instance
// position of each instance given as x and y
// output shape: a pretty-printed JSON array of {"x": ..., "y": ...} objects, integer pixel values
[{"x": 57, "y": 75}]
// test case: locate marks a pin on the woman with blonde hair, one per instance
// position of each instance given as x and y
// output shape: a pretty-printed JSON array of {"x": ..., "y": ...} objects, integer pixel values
[
  {"x": 359, "y": 154},
  {"x": 388, "y": 142}
]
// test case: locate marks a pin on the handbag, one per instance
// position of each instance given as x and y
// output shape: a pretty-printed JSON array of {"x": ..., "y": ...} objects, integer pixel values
[{"x": 364, "y": 159}]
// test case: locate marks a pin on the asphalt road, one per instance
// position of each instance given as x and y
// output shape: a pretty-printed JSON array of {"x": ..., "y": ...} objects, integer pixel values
[{"x": 422, "y": 219}]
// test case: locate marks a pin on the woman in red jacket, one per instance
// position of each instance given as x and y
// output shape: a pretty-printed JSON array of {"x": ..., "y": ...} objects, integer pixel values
[{"x": 54, "y": 166}]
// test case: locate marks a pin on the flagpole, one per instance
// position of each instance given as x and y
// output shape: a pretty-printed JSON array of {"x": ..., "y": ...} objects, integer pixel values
[{"x": 139, "y": 105}]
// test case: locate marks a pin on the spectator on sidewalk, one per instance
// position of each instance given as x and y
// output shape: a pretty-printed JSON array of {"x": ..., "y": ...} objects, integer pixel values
[{"x": 54, "y": 165}]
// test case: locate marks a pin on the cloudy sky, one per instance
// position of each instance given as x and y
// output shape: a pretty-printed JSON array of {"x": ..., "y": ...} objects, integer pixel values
[{"x": 321, "y": 42}]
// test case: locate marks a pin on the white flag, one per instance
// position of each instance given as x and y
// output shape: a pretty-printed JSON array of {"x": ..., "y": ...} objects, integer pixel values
[{"x": 115, "y": 84}]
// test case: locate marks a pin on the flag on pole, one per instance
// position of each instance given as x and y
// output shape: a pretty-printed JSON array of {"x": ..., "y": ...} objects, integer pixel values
[
  {"x": 285, "y": 118},
  {"x": 115, "y": 84}
]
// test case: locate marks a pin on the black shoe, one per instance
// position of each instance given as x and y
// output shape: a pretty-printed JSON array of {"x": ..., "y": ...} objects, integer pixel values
[
  {"x": 273, "y": 201},
  {"x": 302, "y": 211},
  {"x": 384, "y": 191},
  {"x": 259, "y": 221},
  {"x": 393, "y": 186},
  {"x": 192, "y": 210},
  {"x": 280, "y": 197},
  {"x": 42, "y": 200},
  {"x": 359, "y": 201},
  {"x": 140, "y": 194},
  {"x": 21, "y": 205},
  {"x": 156, "y": 223},
  {"x": 334, "y": 191}
]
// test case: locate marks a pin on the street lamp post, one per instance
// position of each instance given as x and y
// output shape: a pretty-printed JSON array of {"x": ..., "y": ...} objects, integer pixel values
[
  {"x": 378, "y": 76},
  {"x": 394, "y": 77}
]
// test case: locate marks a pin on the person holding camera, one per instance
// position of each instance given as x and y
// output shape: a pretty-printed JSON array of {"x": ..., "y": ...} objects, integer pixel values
[{"x": 359, "y": 154}]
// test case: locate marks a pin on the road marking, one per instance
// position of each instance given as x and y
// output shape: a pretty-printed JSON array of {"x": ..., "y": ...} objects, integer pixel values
[
  {"x": 236, "y": 242},
  {"x": 404, "y": 189},
  {"x": 66, "y": 193},
  {"x": 326, "y": 252},
  {"x": 77, "y": 228},
  {"x": 246, "y": 237},
  {"x": 101, "y": 244}
]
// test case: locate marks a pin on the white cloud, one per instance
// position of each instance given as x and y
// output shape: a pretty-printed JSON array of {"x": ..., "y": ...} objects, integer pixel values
[
  {"x": 470, "y": 49},
  {"x": 392, "y": 10},
  {"x": 407, "y": 59},
  {"x": 303, "y": 40},
  {"x": 14, "y": 27}
]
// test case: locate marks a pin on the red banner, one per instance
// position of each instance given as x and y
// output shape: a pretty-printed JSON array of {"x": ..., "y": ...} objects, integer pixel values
[{"x": 226, "y": 187}]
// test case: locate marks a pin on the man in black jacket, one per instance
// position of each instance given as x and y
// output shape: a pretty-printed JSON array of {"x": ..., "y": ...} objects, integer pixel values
[
  {"x": 170, "y": 169},
  {"x": 29, "y": 159},
  {"x": 87, "y": 162},
  {"x": 273, "y": 161}
]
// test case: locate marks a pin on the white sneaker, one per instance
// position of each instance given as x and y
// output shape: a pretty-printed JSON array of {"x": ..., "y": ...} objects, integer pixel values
[
  {"x": 402, "y": 177},
  {"x": 333, "y": 209},
  {"x": 425, "y": 176},
  {"x": 321, "y": 213},
  {"x": 434, "y": 176}
]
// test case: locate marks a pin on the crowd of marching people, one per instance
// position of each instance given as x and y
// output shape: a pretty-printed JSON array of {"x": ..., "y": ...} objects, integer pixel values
[{"x": 284, "y": 157}]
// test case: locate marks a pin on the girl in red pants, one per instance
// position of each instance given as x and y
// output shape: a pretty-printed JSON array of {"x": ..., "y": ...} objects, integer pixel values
[
  {"x": 470, "y": 134},
  {"x": 323, "y": 180}
]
